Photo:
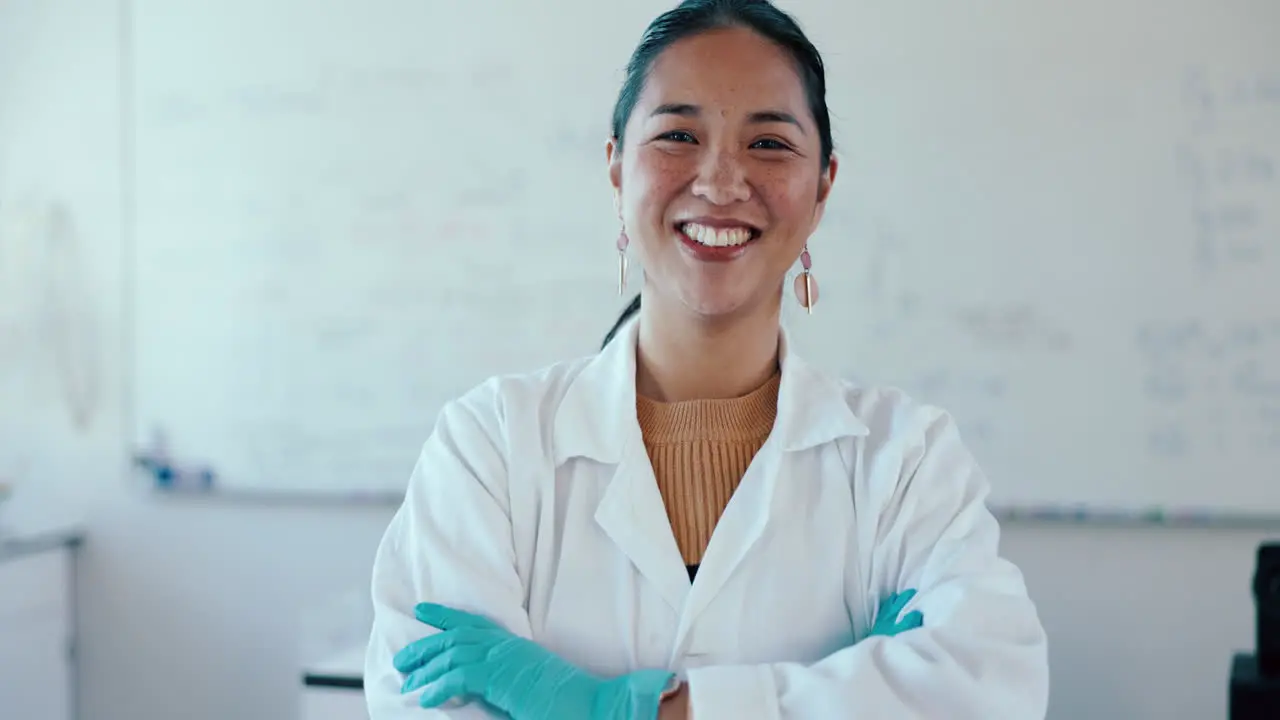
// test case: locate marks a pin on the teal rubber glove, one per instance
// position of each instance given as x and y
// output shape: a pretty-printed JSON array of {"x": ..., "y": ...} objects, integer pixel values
[
  {"x": 887, "y": 621},
  {"x": 474, "y": 657}
]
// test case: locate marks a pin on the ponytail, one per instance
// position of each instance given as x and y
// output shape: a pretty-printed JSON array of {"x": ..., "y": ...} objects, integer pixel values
[{"x": 626, "y": 315}]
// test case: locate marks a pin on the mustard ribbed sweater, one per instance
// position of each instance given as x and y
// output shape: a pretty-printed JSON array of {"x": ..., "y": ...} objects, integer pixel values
[{"x": 699, "y": 450}]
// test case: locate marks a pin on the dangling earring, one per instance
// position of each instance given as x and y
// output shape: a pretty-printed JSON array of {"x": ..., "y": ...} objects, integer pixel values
[
  {"x": 806, "y": 286},
  {"x": 623, "y": 241}
]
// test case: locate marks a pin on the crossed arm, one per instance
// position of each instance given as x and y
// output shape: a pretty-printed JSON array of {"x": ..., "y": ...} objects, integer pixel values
[{"x": 981, "y": 653}]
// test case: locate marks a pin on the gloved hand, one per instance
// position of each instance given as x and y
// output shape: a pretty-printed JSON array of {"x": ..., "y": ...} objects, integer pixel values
[
  {"x": 473, "y": 656},
  {"x": 887, "y": 622}
]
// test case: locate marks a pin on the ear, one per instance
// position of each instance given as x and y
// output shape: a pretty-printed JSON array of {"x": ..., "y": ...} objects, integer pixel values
[
  {"x": 825, "y": 181},
  {"x": 613, "y": 156}
]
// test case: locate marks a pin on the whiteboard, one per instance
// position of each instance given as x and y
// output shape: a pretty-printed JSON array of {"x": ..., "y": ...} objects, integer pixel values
[{"x": 1059, "y": 221}]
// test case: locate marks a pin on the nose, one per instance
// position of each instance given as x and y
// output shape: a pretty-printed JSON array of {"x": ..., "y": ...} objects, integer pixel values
[{"x": 721, "y": 178}]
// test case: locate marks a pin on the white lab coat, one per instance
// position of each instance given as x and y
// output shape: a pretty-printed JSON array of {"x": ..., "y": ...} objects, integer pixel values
[{"x": 533, "y": 503}]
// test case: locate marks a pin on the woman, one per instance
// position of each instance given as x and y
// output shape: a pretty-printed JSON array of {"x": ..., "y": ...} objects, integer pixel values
[{"x": 694, "y": 522}]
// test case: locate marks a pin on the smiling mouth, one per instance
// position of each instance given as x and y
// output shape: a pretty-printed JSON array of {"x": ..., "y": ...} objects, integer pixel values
[{"x": 718, "y": 237}]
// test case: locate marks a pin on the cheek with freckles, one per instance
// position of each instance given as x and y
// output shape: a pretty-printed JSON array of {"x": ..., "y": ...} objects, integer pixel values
[
  {"x": 791, "y": 202},
  {"x": 651, "y": 186}
]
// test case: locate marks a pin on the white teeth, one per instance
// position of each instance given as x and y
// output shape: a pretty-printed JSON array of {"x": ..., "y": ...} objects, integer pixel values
[{"x": 716, "y": 237}]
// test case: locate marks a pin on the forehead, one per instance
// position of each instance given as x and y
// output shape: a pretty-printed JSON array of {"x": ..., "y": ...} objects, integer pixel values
[{"x": 726, "y": 70}]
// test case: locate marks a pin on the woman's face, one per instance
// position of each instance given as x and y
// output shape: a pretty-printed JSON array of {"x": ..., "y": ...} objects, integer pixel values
[{"x": 719, "y": 180}]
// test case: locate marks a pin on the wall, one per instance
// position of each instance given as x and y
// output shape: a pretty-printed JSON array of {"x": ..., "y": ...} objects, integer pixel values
[
  {"x": 177, "y": 615},
  {"x": 1142, "y": 623},
  {"x": 194, "y": 609}
]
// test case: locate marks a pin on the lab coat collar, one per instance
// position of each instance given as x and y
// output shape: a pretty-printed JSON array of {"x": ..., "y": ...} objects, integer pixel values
[{"x": 597, "y": 416}]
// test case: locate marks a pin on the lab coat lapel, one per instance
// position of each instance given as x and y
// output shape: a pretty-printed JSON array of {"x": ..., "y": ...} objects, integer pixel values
[
  {"x": 633, "y": 515},
  {"x": 740, "y": 527},
  {"x": 812, "y": 410},
  {"x": 597, "y": 420}
]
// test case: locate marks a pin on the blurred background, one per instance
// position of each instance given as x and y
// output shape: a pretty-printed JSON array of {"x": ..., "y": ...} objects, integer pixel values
[{"x": 247, "y": 249}]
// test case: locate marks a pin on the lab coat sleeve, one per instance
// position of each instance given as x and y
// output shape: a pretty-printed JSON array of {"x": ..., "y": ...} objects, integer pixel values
[
  {"x": 981, "y": 653},
  {"x": 450, "y": 542}
]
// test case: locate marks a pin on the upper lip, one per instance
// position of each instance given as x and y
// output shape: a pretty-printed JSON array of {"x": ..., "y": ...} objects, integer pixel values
[{"x": 720, "y": 223}]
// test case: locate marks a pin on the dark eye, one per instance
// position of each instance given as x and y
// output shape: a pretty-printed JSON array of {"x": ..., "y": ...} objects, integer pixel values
[
  {"x": 677, "y": 136},
  {"x": 770, "y": 144}
]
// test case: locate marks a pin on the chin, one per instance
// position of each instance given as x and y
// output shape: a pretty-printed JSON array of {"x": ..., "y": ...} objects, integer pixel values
[{"x": 712, "y": 307}]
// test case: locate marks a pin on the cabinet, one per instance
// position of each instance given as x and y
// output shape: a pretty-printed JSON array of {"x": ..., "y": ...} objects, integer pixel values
[{"x": 37, "y": 630}]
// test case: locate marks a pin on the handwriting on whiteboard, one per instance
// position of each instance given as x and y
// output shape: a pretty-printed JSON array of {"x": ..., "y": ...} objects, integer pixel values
[
  {"x": 973, "y": 398},
  {"x": 326, "y": 91},
  {"x": 1213, "y": 96},
  {"x": 1232, "y": 186},
  {"x": 1231, "y": 166},
  {"x": 1016, "y": 327},
  {"x": 885, "y": 289},
  {"x": 1212, "y": 389}
]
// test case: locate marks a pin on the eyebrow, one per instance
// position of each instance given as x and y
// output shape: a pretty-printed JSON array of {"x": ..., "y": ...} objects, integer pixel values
[{"x": 759, "y": 117}]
